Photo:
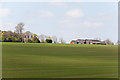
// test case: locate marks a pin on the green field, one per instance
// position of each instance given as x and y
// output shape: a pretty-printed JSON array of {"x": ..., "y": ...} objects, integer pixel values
[{"x": 42, "y": 60}]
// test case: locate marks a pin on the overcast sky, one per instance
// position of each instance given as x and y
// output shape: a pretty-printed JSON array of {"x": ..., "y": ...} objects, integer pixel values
[{"x": 70, "y": 20}]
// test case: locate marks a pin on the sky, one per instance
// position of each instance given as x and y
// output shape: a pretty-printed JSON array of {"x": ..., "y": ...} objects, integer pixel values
[{"x": 69, "y": 20}]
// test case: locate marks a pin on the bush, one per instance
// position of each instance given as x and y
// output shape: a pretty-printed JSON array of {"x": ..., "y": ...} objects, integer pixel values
[
  {"x": 4, "y": 39},
  {"x": 48, "y": 40},
  {"x": 29, "y": 41},
  {"x": 13, "y": 39},
  {"x": 9, "y": 39},
  {"x": 20, "y": 40},
  {"x": 42, "y": 41},
  {"x": 35, "y": 40},
  {"x": 16, "y": 40}
]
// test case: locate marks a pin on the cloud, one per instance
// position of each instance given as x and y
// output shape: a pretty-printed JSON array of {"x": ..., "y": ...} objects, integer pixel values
[
  {"x": 103, "y": 16},
  {"x": 93, "y": 24},
  {"x": 79, "y": 22},
  {"x": 69, "y": 23},
  {"x": 46, "y": 14},
  {"x": 100, "y": 17},
  {"x": 75, "y": 13},
  {"x": 4, "y": 12},
  {"x": 58, "y": 4}
]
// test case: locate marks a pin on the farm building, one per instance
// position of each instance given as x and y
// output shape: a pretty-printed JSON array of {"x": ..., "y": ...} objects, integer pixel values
[
  {"x": 28, "y": 35},
  {"x": 87, "y": 41}
]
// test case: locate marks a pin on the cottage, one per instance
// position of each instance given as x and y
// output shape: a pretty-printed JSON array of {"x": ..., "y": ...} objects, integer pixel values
[{"x": 28, "y": 35}]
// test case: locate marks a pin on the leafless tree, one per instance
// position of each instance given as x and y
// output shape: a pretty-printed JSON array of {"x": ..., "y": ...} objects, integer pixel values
[
  {"x": 54, "y": 38},
  {"x": 109, "y": 42},
  {"x": 118, "y": 43},
  {"x": 61, "y": 40},
  {"x": 19, "y": 28},
  {"x": 42, "y": 38}
]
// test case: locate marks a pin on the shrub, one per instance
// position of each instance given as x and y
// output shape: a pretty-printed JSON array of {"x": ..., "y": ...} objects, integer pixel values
[
  {"x": 35, "y": 40},
  {"x": 48, "y": 40},
  {"x": 20, "y": 40},
  {"x": 16, "y": 40},
  {"x": 42, "y": 41},
  {"x": 9, "y": 39},
  {"x": 29, "y": 41},
  {"x": 4, "y": 39}
]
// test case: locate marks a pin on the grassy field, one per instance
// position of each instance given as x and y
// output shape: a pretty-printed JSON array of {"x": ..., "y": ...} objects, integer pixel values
[{"x": 37, "y": 60}]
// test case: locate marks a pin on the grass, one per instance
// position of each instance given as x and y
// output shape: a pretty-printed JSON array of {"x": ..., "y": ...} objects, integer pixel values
[{"x": 42, "y": 60}]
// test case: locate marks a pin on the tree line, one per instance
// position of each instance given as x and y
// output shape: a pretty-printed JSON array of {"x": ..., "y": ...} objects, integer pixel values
[{"x": 19, "y": 36}]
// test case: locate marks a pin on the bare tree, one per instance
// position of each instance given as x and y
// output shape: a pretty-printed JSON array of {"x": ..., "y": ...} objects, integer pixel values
[
  {"x": 54, "y": 38},
  {"x": 19, "y": 28},
  {"x": 42, "y": 38},
  {"x": 108, "y": 42},
  {"x": 61, "y": 40},
  {"x": 118, "y": 43}
]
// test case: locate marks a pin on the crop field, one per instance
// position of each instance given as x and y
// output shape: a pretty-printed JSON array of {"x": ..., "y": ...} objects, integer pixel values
[{"x": 44, "y": 60}]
